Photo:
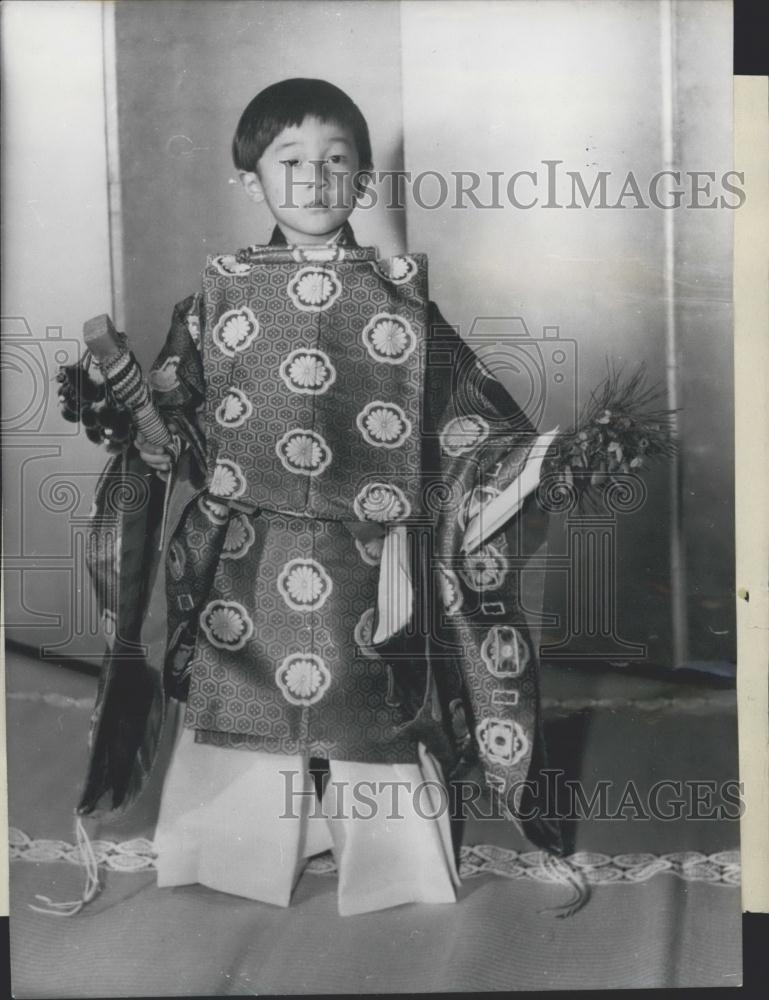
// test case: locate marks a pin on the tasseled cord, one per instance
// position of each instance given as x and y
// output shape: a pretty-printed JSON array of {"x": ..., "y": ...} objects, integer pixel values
[
  {"x": 175, "y": 451},
  {"x": 564, "y": 873},
  {"x": 92, "y": 886},
  {"x": 568, "y": 875},
  {"x": 166, "y": 498}
]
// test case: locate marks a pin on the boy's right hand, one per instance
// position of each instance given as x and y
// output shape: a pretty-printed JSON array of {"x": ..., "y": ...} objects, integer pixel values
[{"x": 153, "y": 455}]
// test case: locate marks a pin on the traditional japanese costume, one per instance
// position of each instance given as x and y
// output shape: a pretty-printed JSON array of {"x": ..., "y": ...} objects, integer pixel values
[{"x": 310, "y": 593}]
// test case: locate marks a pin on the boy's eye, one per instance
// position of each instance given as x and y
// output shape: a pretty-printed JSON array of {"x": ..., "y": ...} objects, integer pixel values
[
  {"x": 290, "y": 163},
  {"x": 337, "y": 158}
]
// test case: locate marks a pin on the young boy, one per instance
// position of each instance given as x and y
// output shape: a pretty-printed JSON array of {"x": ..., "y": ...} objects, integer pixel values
[{"x": 313, "y": 602}]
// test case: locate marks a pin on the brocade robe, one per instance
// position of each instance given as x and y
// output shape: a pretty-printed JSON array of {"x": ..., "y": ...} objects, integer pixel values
[{"x": 327, "y": 411}]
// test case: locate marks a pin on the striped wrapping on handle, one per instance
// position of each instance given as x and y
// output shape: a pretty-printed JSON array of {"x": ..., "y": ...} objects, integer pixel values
[
  {"x": 125, "y": 380},
  {"x": 127, "y": 384}
]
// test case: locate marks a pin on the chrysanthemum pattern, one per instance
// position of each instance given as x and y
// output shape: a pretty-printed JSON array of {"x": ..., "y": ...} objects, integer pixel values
[
  {"x": 234, "y": 697},
  {"x": 314, "y": 289},
  {"x": 383, "y": 425},
  {"x": 227, "y": 480},
  {"x": 484, "y": 569},
  {"x": 381, "y": 502},
  {"x": 304, "y": 584},
  {"x": 228, "y": 264},
  {"x": 462, "y": 434},
  {"x": 308, "y": 371},
  {"x": 389, "y": 338},
  {"x": 303, "y": 678},
  {"x": 234, "y": 410},
  {"x": 217, "y": 513},
  {"x": 303, "y": 452},
  {"x": 304, "y": 369},
  {"x": 226, "y": 624},
  {"x": 370, "y": 551},
  {"x": 235, "y": 331},
  {"x": 239, "y": 538},
  {"x": 398, "y": 270}
]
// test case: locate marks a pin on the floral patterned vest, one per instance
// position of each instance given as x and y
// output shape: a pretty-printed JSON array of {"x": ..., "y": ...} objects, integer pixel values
[{"x": 315, "y": 362}]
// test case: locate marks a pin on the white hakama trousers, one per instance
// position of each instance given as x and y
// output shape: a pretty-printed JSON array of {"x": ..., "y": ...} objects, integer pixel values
[{"x": 245, "y": 822}]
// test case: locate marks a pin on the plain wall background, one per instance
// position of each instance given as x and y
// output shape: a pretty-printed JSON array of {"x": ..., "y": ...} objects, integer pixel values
[
  {"x": 703, "y": 316},
  {"x": 494, "y": 86},
  {"x": 55, "y": 274}
]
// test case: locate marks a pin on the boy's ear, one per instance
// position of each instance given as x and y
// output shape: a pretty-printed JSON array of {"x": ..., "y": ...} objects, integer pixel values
[{"x": 251, "y": 185}]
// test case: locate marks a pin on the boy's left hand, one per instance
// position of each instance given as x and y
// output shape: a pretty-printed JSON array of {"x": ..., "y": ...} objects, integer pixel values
[{"x": 153, "y": 455}]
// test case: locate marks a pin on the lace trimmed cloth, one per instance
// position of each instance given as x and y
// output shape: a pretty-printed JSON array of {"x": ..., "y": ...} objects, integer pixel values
[{"x": 720, "y": 868}]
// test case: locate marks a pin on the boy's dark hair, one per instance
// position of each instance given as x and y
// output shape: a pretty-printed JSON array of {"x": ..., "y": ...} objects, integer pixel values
[{"x": 288, "y": 103}]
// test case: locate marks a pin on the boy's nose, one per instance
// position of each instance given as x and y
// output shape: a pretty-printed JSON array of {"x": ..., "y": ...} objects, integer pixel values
[{"x": 314, "y": 173}]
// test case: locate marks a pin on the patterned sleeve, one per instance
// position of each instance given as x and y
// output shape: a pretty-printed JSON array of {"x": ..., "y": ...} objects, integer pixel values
[
  {"x": 466, "y": 402},
  {"x": 484, "y": 440},
  {"x": 177, "y": 379},
  {"x": 484, "y": 437}
]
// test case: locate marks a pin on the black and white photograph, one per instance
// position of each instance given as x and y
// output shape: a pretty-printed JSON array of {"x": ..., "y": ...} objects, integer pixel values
[{"x": 368, "y": 429}]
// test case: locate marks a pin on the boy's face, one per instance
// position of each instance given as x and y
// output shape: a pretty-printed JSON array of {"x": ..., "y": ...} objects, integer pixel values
[{"x": 306, "y": 178}]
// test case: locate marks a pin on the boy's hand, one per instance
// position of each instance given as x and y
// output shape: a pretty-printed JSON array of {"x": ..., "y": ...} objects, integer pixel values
[{"x": 157, "y": 458}]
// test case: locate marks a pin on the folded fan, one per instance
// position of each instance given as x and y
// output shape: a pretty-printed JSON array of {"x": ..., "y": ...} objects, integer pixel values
[
  {"x": 395, "y": 593},
  {"x": 496, "y": 512}
]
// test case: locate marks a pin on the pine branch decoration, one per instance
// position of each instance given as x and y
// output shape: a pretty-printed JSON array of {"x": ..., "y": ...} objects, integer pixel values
[{"x": 619, "y": 430}]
